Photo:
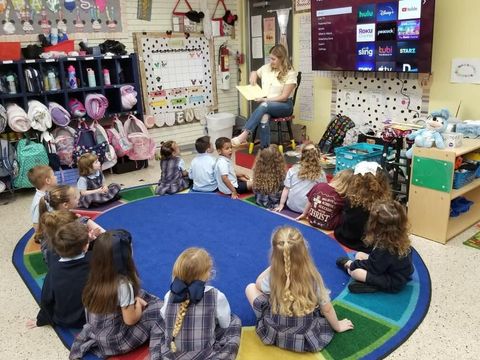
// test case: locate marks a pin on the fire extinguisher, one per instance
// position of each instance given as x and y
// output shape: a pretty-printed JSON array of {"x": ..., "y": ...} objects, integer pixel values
[{"x": 223, "y": 54}]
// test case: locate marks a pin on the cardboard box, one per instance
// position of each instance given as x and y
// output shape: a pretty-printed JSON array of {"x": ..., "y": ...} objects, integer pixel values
[{"x": 452, "y": 140}]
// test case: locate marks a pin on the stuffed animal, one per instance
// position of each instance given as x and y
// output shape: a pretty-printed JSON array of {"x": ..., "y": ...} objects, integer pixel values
[{"x": 436, "y": 124}]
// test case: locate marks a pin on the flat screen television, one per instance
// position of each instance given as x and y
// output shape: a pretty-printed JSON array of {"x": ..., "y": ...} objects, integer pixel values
[{"x": 372, "y": 35}]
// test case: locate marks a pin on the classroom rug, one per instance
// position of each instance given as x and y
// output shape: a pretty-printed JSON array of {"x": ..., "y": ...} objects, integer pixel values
[
  {"x": 235, "y": 232},
  {"x": 474, "y": 241}
]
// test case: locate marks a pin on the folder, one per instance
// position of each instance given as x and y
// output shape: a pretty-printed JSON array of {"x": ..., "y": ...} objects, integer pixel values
[{"x": 250, "y": 92}]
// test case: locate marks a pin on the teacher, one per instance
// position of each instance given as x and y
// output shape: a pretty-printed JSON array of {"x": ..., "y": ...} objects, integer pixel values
[{"x": 278, "y": 81}]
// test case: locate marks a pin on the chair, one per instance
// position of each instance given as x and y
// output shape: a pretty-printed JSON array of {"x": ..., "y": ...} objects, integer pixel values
[{"x": 286, "y": 119}]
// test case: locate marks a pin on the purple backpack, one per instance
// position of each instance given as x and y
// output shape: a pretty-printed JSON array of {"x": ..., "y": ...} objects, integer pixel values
[
  {"x": 85, "y": 143},
  {"x": 60, "y": 116}
]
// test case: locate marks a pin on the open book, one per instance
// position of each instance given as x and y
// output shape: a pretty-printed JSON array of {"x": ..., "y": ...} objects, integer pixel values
[{"x": 250, "y": 92}]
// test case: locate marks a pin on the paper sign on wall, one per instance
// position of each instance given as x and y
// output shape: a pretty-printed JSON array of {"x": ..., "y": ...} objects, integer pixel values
[{"x": 465, "y": 71}]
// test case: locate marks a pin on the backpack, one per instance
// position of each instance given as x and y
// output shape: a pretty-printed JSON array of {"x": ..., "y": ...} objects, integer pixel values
[
  {"x": 64, "y": 140},
  {"x": 101, "y": 137},
  {"x": 335, "y": 133},
  {"x": 8, "y": 163},
  {"x": 118, "y": 138},
  {"x": 143, "y": 144},
  {"x": 85, "y": 143},
  {"x": 29, "y": 155},
  {"x": 60, "y": 116}
]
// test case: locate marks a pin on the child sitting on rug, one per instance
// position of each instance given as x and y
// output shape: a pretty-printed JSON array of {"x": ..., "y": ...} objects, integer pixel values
[
  {"x": 91, "y": 183},
  {"x": 43, "y": 179},
  {"x": 202, "y": 168},
  {"x": 389, "y": 265},
  {"x": 197, "y": 318},
  {"x": 325, "y": 201},
  {"x": 61, "y": 299},
  {"x": 268, "y": 176},
  {"x": 368, "y": 184},
  {"x": 229, "y": 182},
  {"x": 174, "y": 176},
  {"x": 300, "y": 179},
  {"x": 119, "y": 314},
  {"x": 290, "y": 301},
  {"x": 62, "y": 197}
]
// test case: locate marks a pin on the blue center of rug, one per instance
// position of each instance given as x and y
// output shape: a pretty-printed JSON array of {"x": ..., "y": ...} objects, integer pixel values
[{"x": 235, "y": 233}]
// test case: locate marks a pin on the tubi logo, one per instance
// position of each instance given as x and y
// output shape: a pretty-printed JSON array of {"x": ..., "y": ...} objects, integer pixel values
[
  {"x": 366, "y": 13},
  {"x": 365, "y": 51},
  {"x": 387, "y": 11},
  {"x": 385, "y": 51},
  {"x": 387, "y": 31},
  {"x": 409, "y": 9},
  {"x": 365, "y": 32}
]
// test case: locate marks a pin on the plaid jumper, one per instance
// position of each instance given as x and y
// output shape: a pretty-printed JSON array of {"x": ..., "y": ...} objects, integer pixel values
[
  {"x": 309, "y": 333},
  {"x": 107, "y": 335},
  {"x": 98, "y": 198},
  {"x": 200, "y": 338},
  {"x": 172, "y": 179}
]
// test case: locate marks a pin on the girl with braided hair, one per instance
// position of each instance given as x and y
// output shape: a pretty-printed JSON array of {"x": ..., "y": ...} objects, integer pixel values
[
  {"x": 290, "y": 300},
  {"x": 198, "y": 320}
]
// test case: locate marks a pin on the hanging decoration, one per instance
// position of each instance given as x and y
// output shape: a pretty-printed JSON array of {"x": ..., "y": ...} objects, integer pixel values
[
  {"x": 282, "y": 18},
  {"x": 144, "y": 10}
]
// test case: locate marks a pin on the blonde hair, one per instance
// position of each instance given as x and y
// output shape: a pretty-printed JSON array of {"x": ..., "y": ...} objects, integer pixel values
[
  {"x": 269, "y": 170},
  {"x": 296, "y": 286},
  {"x": 50, "y": 222},
  {"x": 341, "y": 180},
  {"x": 281, "y": 53},
  {"x": 310, "y": 168},
  {"x": 85, "y": 164},
  {"x": 364, "y": 190},
  {"x": 387, "y": 228},
  {"x": 192, "y": 264},
  {"x": 38, "y": 175}
]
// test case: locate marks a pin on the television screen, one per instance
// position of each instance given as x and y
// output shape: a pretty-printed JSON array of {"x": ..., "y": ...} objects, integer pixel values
[{"x": 372, "y": 35}]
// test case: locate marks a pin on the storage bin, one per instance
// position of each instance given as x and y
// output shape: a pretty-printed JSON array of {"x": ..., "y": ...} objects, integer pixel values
[
  {"x": 462, "y": 178},
  {"x": 10, "y": 51},
  {"x": 67, "y": 177},
  {"x": 349, "y": 156},
  {"x": 65, "y": 46},
  {"x": 220, "y": 125}
]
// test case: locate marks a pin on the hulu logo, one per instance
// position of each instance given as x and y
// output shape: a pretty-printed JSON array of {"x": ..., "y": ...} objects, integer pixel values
[{"x": 365, "y": 14}]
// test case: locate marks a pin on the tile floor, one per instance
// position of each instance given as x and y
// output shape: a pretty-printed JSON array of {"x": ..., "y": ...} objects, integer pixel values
[{"x": 447, "y": 332}]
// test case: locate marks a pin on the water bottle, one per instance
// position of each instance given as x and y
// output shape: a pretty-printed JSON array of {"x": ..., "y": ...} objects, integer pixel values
[
  {"x": 54, "y": 36},
  {"x": 12, "y": 87},
  {"x": 72, "y": 77},
  {"x": 106, "y": 77},
  {"x": 52, "y": 81},
  {"x": 91, "y": 78}
]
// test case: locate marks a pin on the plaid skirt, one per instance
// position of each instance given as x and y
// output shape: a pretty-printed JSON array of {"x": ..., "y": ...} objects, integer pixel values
[
  {"x": 225, "y": 347},
  {"x": 107, "y": 335},
  {"x": 99, "y": 198},
  {"x": 310, "y": 333},
  {"x": 173, "y": 187}
]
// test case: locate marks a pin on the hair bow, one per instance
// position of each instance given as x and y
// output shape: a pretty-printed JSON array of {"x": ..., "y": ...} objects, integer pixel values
[
  {"x": 121, "y": 248},
  {"x": 193, "y": 291},
  {"x": 365, "y": 167}
]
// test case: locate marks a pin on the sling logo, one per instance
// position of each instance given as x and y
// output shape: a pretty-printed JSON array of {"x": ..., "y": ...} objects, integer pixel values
[
  {"x": 365, "y": 32},
  {"x": 366, "y": 13},
  {"x": 409, "y": 9},
  {"x": 387, "y": 11},
  {"x": 365, "y": 52}
]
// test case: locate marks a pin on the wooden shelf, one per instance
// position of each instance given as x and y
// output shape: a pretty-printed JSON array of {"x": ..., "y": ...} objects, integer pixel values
[
  {"x": 458, "y": 224},
  {"x": 465, "y": 189}
]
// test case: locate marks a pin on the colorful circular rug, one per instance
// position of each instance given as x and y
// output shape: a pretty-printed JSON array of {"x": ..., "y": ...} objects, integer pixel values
[{"x": 237, "y": 235}]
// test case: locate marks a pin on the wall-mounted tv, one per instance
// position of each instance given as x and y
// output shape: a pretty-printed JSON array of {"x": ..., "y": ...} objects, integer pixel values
[{"x": 372, "y": 35}]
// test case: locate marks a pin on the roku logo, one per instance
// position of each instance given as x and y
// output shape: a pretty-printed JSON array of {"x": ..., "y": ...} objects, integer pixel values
[
  {"x": 365, "y": 14},
  {"x": 385, "y": 50},
  {"x": 365, "y": 51},
  {"x": 365, "y": 31}
]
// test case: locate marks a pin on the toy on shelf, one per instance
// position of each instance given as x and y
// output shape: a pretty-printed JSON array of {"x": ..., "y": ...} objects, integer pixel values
[{"x": 435, "y": 124}]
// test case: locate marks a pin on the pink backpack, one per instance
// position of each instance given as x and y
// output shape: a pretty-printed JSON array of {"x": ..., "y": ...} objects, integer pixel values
[
  {"x": 143, "y": 144},
  {"x": 118, "y": 138},
  {"x": 64, "y": 140},
  {"x": 100, "y": 137}
]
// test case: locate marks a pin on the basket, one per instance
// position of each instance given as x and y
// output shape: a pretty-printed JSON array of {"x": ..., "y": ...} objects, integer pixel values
[
  {"x": 67, "y": 177},
  {"x": 349, "y": 156},
  {"x": 463, "y": 178}
]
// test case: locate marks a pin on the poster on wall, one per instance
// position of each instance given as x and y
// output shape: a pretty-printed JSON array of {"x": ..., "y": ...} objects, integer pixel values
[
  {"x": 268, "y": 34},
  {"x": 465, "y": 71},
  {"x": 302, "y": 5},
  {"x": 69, "y": 16}
]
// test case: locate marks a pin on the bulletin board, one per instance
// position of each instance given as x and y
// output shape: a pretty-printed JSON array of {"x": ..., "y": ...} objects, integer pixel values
[
  {"x": 177, "y": 75},
  {"x": 33, "y": 17}
]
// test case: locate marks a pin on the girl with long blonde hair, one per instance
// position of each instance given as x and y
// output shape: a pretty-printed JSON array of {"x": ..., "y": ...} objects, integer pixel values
[
  {"x": 389, "y": 265},
  {"x": 300, "y": 179},
  {"x": 268, "y": 175},
  {"x": 368, "y": 184},
  {"x": 119, "y": 314},
  {"x": 213, "y": 332},
  {"x": 278, "y": 82},
  {"x": 290, "y": 300}
]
